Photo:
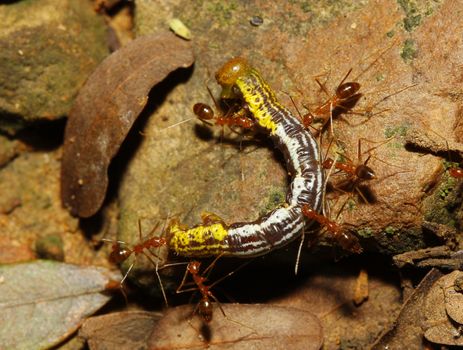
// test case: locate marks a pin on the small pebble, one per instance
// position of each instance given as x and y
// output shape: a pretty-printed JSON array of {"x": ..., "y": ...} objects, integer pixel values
[{"x": 256, "y": 21}]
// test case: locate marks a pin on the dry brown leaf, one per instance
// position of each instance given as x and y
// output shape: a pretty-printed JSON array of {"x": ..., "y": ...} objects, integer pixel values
[
  {"x": 443, "y": 302},
  {"x": 406, "y": 332},
  {"x": 454, "y": 298},
  {"x": 103, "y": 113},
  {"x": 122, "y": 330},
  {"x": 245, "y": 326},
  {"x": 43, "y": 302}
]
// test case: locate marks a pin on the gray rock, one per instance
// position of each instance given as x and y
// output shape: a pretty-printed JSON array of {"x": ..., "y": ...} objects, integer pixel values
[{"x": 47, "y": 50}]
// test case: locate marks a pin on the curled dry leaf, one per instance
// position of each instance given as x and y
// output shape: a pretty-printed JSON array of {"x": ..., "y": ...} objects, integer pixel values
[
  {"x": 443, "y": 312},
  {"x": 406, "y": 332},
  {"x": 245, "y": 326},
  {"x": 43, "y": 302},
  {"x": 104, "y": 111}
]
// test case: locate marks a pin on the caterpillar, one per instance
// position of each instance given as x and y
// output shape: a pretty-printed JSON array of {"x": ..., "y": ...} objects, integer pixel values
[{"x": 301, "y": 153}]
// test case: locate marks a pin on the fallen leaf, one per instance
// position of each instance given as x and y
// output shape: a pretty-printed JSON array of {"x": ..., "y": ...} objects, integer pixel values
[
  {"x": 245, "y": 326},
  {"x": 443, "y": 312},
  {"x": 104, "y": 111},
  {"x": 454, "y": 298},
  {"x": 406, "y": 332},
  {"x": 42, "y": 302},
  {"x": 126, "y": 330}
]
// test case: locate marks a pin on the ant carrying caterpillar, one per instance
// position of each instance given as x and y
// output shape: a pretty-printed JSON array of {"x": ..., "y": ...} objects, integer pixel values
[
  {"x": 204, "y": 308},
  {"x": 121, "y": 251},
  {"x": 301, "y": 153},
  {"x": 235, "y": 116}
]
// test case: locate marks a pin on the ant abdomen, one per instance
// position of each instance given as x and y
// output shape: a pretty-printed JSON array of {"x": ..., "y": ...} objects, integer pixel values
[{"x": 347, "y": 90}]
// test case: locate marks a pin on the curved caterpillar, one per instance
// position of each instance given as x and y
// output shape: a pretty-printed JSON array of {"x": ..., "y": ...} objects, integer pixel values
[{"x": 301, "y": 154}]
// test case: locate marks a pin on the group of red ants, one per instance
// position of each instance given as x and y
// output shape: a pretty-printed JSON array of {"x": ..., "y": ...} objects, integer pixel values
[{"x": 341, "y": 102}]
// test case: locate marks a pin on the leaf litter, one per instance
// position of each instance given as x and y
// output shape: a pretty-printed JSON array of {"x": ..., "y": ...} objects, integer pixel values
[
  {"x": 105, "y": 110},
  {"x": 244, "y": 326},
  {"x": 43, "y": 302}
]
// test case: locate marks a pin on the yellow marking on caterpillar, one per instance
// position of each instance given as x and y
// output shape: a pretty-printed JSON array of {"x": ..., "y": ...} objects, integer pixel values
[
  {"x": 256, "y": 92},
  {"x": 258, "y": 98},
  {"x": 194, "y": 239}
]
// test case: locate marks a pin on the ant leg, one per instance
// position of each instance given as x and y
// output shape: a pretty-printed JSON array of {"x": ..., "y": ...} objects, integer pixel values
[
  {"x": 158, "y": 276},
  {"x": 212, "y": 264},
  {"x": 228, "y": 318},
  {"x": 230, "y": 273},
  {"x": 322, "y": 86},
  {"x": 298, "y": 256},
  {"x": 182, "y": 284},
  {"x": 345, "y": 77},
  {"x": 128, "y": 271}
]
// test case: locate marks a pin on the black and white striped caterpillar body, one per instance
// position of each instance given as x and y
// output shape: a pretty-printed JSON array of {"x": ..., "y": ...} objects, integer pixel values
[{"x": 300, "y": 149}]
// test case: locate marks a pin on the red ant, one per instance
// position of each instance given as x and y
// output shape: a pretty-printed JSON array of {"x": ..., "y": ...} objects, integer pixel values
[
  {"x": 454, "y": 169},
  {"x": 205, "y": 113},
  {"x": 121, "y": 251},
  {"x": 456, "y": 172},
  {"x": 357, "y": 172},
  {"x": 345, "y": 97},
  {"x": 204, "y": 306},
  {"x": 345, "y": 239},
  {"x": 235, "y": 116}
]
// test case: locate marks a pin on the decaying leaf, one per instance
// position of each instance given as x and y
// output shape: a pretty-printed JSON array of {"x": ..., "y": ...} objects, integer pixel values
[
  {"x": 406, "y": 332},
  {"x": 444, "y": 312},
  {"x": 126, "y": 330},
  {"x": 43, "y": 302},
  {"x": 179, "y": 28},
  {"x": 104, "y": 111},
  {"x": 245, "y": 326},
  {"x": 439, "y": 257}
]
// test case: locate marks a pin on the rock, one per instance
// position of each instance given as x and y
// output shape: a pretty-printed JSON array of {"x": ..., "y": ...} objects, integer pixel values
[{"x": 47, "y": 50}]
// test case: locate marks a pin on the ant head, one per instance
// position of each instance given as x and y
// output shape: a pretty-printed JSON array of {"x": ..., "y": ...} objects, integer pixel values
[
  {"x": 347, "y": 90},
  {"x": 364, "y": 172},
  {"x": 205, "y": 310},
  {"x": 203, "y": 111},
  {"x": 308, "y": 211},
  {"x": 245, "y": 122},
  {"x": 193, "y": 267},
  {"x": 327, "y": 163},
  {"x": 119, "y": 254}
]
